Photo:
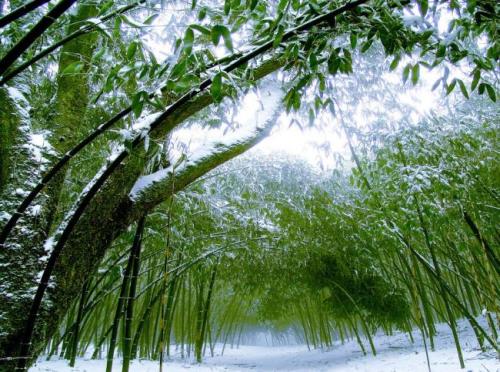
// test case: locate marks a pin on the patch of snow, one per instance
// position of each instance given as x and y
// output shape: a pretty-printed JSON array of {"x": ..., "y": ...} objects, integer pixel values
[
  {"x": 146, "y": 181},
  {"x": 22, "y": 107},
  {"x": 4, "y": 216},
  {"x": 145, "y": 122},
  {"x": 413, "y": 20},
  {"x": 140, "y": 127},
  {"x": 146, "y": 142},
  {"x": 35, "y": 210},
  {"x": 39, "y": 146},
  {"x": 49, "y": 245},
  {"x": 115, "y": 152},
  {"x": 394, "y": 353},
  {"x": 450, "y": 37},
  {"x": 17, "y": 96},
  {"x": 20, "y": 192},
  {"x": 126, "y": 134}
]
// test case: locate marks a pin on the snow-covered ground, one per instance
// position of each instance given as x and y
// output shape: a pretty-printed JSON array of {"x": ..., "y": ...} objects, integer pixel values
[{"x": 394, "y": 353}]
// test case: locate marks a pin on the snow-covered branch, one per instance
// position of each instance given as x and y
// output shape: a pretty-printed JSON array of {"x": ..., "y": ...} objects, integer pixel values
[{"x": 152, "y": 189}]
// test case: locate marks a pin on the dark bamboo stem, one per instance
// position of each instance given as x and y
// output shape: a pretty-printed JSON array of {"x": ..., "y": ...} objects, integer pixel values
[
  {"x": 494, "y": 261},
  {"x": 82, "y": 31},
  {"x": 22, "y": 45},
  {"x": 77, "y": 325},
  {"x": 21, "y": 12},
  {"x": 123, "y": 295},
  {"x": 206, "y": 311},
  {"x": 129, "y": 314},
  {"x": 198, "y": 343}
]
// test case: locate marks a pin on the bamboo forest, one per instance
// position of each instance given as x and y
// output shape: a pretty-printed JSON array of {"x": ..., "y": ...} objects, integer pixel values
[{"x": 249, "y": 185}]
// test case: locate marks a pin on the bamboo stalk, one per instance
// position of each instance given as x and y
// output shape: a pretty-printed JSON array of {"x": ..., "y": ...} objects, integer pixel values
[
  {"x": 135, "y": 253},
  {"x": 494, "y": 261},
  {"x": 81, "y": 305},
  {"x": 205, "y": 313},
  {"x": 119, "y": 311},
  {"x": 36, "y": 31}
]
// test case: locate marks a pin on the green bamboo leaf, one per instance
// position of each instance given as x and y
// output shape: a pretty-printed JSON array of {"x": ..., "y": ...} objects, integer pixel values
[
  {"x": 423, "y": 6},
  {"x": 202, "y": 14},
  {"x": 253, "y": 4},
  {"x": 491, "y": 92},
  {"x": 138, "y": 104},
  {"x": 279, "y": 36},
  {"x": 282, "y": 5},
  {"x": 334, "y": 63},
  {"x": 216, "y": 87},
  {"x": 188, "y": 40},
  {"x": 415, "y": 74},
  {"x": 353, "y": 39},
  {"x": 105, "y": 7},
  {"x": 98, "y": 55},
  {"x": 395, "y": 62},
  {"x": 201, "y": 29},
  {"x": 481, "y": 88},
  {"x": 131, "y": 22},
  {"x": 441, "y": 51},
  {"x": 451, "y": 86},
  {"x": 226, "y": 35},
  {"x": 178, "y": 69},
  {"x": 117, "y": 27},
  {"x": 313, "y": 62},
  {"x": 151, "y": 19},
  {"x": 406, "y": 73},
  {"x": 463, "y": 89},
  {"x": 221, "y": 31},
  {"x": 366, "y": 45},
  {"x": 131, "y": 50}
]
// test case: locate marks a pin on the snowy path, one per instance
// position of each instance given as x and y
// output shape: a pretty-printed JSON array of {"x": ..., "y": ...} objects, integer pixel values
[{"x": 394, "y": 353}]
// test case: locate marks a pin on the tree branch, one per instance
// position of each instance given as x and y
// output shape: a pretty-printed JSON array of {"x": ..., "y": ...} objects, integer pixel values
[
  {"x": 22, "y": 45},
  {"x": 82, "y": 31},
  {"x": 152, "y": 189},
  {"x": 21, "y": 12}
]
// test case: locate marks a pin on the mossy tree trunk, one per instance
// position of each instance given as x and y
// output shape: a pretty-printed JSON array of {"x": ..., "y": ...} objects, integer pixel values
[
  {"x": 72, "y": 98},
  {"x": 9, "y": 134},
  {"x": 25, "y": 251},
  {"x": 21, "y": 259}
]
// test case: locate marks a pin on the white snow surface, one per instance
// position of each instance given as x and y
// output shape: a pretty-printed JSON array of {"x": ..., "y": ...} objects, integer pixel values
[{"x": 394, "y": 353}]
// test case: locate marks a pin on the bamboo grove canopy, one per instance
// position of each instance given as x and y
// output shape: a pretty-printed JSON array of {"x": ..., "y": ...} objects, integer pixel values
[{"x": 98, "y": 216}]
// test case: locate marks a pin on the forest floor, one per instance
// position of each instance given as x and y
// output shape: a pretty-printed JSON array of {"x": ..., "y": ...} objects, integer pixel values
[{"x": 394, "y": 353}]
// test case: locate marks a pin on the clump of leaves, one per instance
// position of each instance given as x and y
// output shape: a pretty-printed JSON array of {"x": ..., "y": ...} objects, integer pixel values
[{"x": 351, "y": 285}]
